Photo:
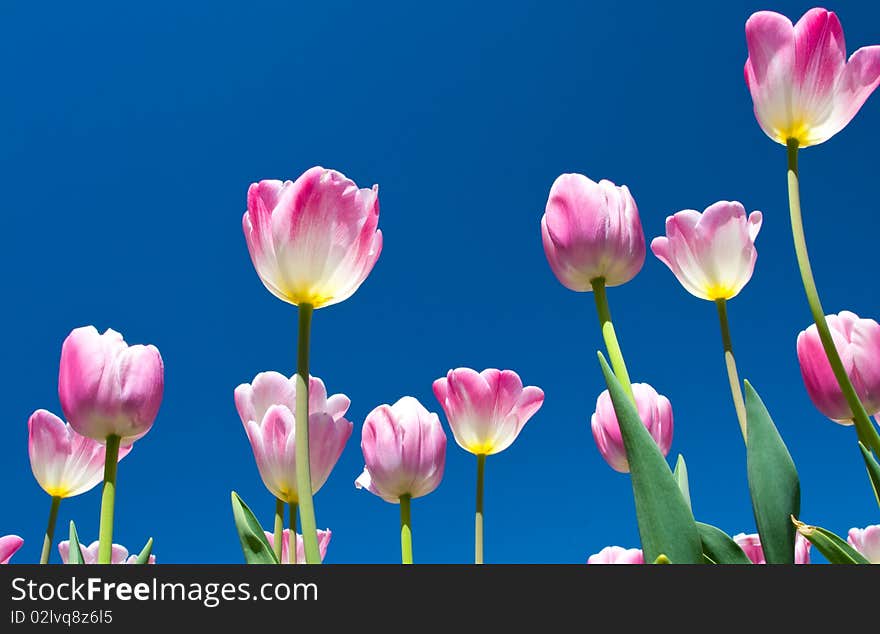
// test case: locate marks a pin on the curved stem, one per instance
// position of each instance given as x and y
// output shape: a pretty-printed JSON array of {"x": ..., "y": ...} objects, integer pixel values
[
  {"x": 739, "y": 403},
  {"x": 291, "y": 535},
  {"x": 50, "y": 530},
  {"x": 610, "y": 337},
  {"x": 406, "y": 556},
  {"x": 108, "y": 500},
  {"x": 866, "y": 432},
  {"x": 478, "y": 520},
  {"x": 278, "y": 533},
  {"x": 303, "y": 468}
]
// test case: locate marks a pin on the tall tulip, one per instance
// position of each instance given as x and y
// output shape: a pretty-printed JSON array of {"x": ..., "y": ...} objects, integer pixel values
[
  {"x": 486, "y": 412},
  {"x": 866, "y": 541},
  {"x": 312, "y": 242},
  {"x": 266, "y": 408},
  {"x": 751, "y": 546},
  {"x": 110, "y": 392},
  {"x": 298, "y": 551},
  {"x": 118, "y": 554},
  {"x": 713, "y": 256},
  {"x": 617, "y": 555},
  {"x": 9, "y": 545},
  {"x": 64, "y": 463},
  {"x": 404, "y": 449},
  {"x": 804, "y": 91},
  {"x": 593, "y": 239}
]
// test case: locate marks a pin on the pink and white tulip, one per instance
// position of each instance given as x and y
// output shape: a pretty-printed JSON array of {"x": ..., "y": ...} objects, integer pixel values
[
  {"x": 486, "y": 410},
  {"x": 267, "y": 407},
  {"x": 404, "y": 449},
  {"x": 108, "y": 388},
  {"x": 866, "y": 541},
  {"x": 119, "y": 554},
  {"x": 751, "y": 546},
  {"x": 802, "y": 85},
  {"x": 592, "y": 230},
  {"x": 858, "y": 344},
  {"x": 9, "y": 545},
  {"x": 655, "y": 411},
  {"x": 323, "y": 542},
  {"x": 315, "y": 240},
  {"x": 711, "y": 253},
  {"x": 64, "y": 463},
  {"x": 617, "y": 555}
]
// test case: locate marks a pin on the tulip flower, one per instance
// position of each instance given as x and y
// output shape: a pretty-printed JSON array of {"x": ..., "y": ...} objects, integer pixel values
[
  {"x": 266, "y": 408},
  {"x": 110, "y": 392},
  {"x": 751, "y": 546},
  {"x": 312, "y": 242},
  {"x": 119, "y": 554},
  {"x": 866, "y": 541},
  {"x": 404, "y": 449},
  {"x": 593, "y": 239},
  {"x": 805, "y": 91},
  {"x": 9, "y": 545},
  {"x": 299, "y": 551},
  {"x": 655, "y": 411},
  {"x": 713, "y": 256},
  {"x": 64, "y": 463},
  {"x": 858, "y": 343},
  {"x": 486, "y": 412},
  {"x": 617, "y": 555}
]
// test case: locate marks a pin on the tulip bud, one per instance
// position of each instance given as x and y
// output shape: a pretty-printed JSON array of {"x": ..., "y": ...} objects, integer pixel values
[
  {"x": 9, "y": 545},
  {"x": 323, "y": 542},
  {"x": 866, "y": 541},
  {"x": 751, "y": 546},
  {"x": 118, "y": 554},
  {"x": 617, "y": 555}
]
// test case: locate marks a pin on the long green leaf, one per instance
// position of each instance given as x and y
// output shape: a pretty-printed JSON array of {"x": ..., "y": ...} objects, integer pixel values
[
  {"x": 681, "y": 478},
  {"x": 719, "y": 547},
  {"x": 74, "y": 555},
  {"x": 773, "y": 482},
  {"x": 666, "y": 524},
  {"x": 253, "y": 540},
  {"x": 835, "y": 549},
  {"x": 873, "y": 470},
  {"x": 144, "y": 556}
]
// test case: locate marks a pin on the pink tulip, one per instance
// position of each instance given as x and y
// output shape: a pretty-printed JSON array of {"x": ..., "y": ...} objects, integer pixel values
[
  {"x": 712, "y": 254},
  {"x": 617, "y": 555},
  {"x": 64, "y": 463},
  {"x": 108, "y": 388},
  {"x": 866, "y": 541},
  {"x": 655, "y": 411},
  {"x": 119, "y": 554},
  {"x": 592, "y": 230},
  {"x": 266, "y": 408},
  {"x": 404, "y": 450},
  {"x": 858, "y": 343},
  {"x": 802, "y": 85},
  {"x": 323, "y": 542},
  {"x": 313, "y": 241},
  {"x": 486, "y": 410},
  {"x": 751, "y": 546},
  {"x": 9, "y": 545}
]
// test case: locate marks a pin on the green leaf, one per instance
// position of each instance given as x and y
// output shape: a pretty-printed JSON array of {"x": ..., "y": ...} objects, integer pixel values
[
  {"x": 253, "y": 540},
  {"x": 835, "y": 549},
  {"x": 681, "y": 477},
  {"x": 873, "y": 470},
  {"x": 75, "y": 554},
  {"x": 773, "y": 482},
  {"x": 719, "y": 547},
  {"x": 144, "y": 557},
  {"x": 662, "y": 559},
  {"x": 666, "y": 524}
]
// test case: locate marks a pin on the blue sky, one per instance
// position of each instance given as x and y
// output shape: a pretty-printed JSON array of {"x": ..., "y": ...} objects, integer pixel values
[{"x": 130, "y": 136}]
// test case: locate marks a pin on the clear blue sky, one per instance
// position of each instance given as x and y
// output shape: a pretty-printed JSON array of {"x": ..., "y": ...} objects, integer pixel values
[{"x": 130, "y": 136}]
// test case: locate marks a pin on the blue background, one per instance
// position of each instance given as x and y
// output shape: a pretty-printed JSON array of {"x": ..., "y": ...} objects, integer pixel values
[{"x": 130, "y": 136}]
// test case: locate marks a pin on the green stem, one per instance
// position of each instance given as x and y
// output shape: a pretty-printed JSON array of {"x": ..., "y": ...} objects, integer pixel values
[
  {"x": 610, "y": 337},
  {"x": 278, "y": 534},
  {"x": 303, "y": 468},
  {"x": 864, "y": 429},
  {"x": 291, "y": 535},
  {"x": 50, "y": 530},
  {"x": 108, "y": 500},
  {"x": 739, "y": 403},
  {"x": 478, "y": 520},
  {"x": 406, "y": 556}
]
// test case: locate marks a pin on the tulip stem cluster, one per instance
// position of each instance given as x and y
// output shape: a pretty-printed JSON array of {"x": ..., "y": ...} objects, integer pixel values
[
  {"x": 278, "y": 533},
  {"x": 739, "y": 403},
  {"x": 610, "y": 337},
  {"x": 406, "y": 555},
  {"x": 478, "y": 519},
  {"x": 108, "y": 500},
  {"x": 50, "y": 530},
  {"x": 867, "y": 434}
]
